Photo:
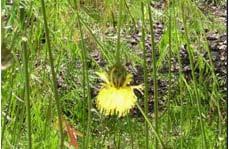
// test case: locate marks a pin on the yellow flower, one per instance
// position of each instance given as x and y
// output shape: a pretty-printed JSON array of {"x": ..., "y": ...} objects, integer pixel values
[{"x": 116, "y": 97}]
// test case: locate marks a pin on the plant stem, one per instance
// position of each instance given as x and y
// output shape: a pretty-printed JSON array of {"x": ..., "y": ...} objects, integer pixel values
[
  {"x": 56, "y": 96},
  {"x": 130, "y": 131},
  {"x": 119, "y": 134},
  {"x": 77, "y": 8},
  {"x": 181, "y": 88},
  {"x": 154, "y": 61},
  {"x": 190, "y": 54},
  {"x": 85, "y": 82},
  {"x": 151, "y": 126},
  {"x": 146, "y": 85},
  {"x": 26, "y": 74},
  {"x": 170, "y": 66},
  {"x": 132, "y": 18},
  {"x": 118, "y": 57}
]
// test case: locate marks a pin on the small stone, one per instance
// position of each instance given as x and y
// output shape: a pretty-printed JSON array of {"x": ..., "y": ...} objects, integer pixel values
[
  {"x": 213, "y": 37},
  {"x": 222, "y": 47},
  {"x": 187, "y": 68}
]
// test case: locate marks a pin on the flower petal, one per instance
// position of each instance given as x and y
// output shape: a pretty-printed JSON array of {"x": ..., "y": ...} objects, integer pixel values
[
  {"x": 113, "y": 101},
  {"x": 139, "y": 88},
  {"x": 128, "y": 79}
]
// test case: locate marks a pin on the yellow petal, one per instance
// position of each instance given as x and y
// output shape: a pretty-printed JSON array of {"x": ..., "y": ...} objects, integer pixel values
[
  {"x": 139, "y": 88},
  {"x": 128, "y": 79},
  {"x": 116, "y": 101}
]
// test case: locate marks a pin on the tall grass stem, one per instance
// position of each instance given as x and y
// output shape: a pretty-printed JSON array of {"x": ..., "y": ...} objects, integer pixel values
[
  {"x": 54, "y": 80},
  {"x": 151, "y": 126},
  {"x": 118, "y": 56},
  {"x": 170, "y": 65},
  {"x": 190, "y": 54},
  {"x": 86, "y": 84},
  {"x": 146, "y": 85},
  {"x": 154, "y": 61},
  {"x": 26, "y": 75}
]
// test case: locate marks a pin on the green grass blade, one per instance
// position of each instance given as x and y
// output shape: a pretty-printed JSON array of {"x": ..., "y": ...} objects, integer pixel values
[
  {"x": 54, "y": 80},
  {"x": 146, "y": 85},
  {"x": 118, "y": 56},
  {"x": 86, "y": 84},
  {"x": 155, "y": 86},
  {"x": 26, "y": 75},
  {"x": 190, "y": 54},
  {"x": 158, "y": 138}
]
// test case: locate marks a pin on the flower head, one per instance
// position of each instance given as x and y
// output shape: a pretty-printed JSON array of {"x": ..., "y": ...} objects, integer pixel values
[{"x": 116, "y": 96}]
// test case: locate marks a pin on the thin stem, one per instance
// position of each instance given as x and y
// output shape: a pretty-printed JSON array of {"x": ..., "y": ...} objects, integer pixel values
[
  {"x": 79, "y": 21},
  {"x": 56, "y": 96},
  {"x": 170, "y": 55},
  {"x": 26, "y": 75},
  {"x": 128, "y": 9},
  {"x": 170, "y": 65},
  {"x": 190, "y": 54},
  {"x": 180, "y": 70},
  {"x": 215, "y": 82},
  {"x": 130, "y": 131},
  {"x": 158, "y": 138},
  {"x": 154, "y": 61},
  {"x": 118, "y": 57},
  {"x": 86, "y": 82},
  {"x": 146, "y": 85},
  {"x": 113, "y": 18},
  {"x": 119, "y": 134}
]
